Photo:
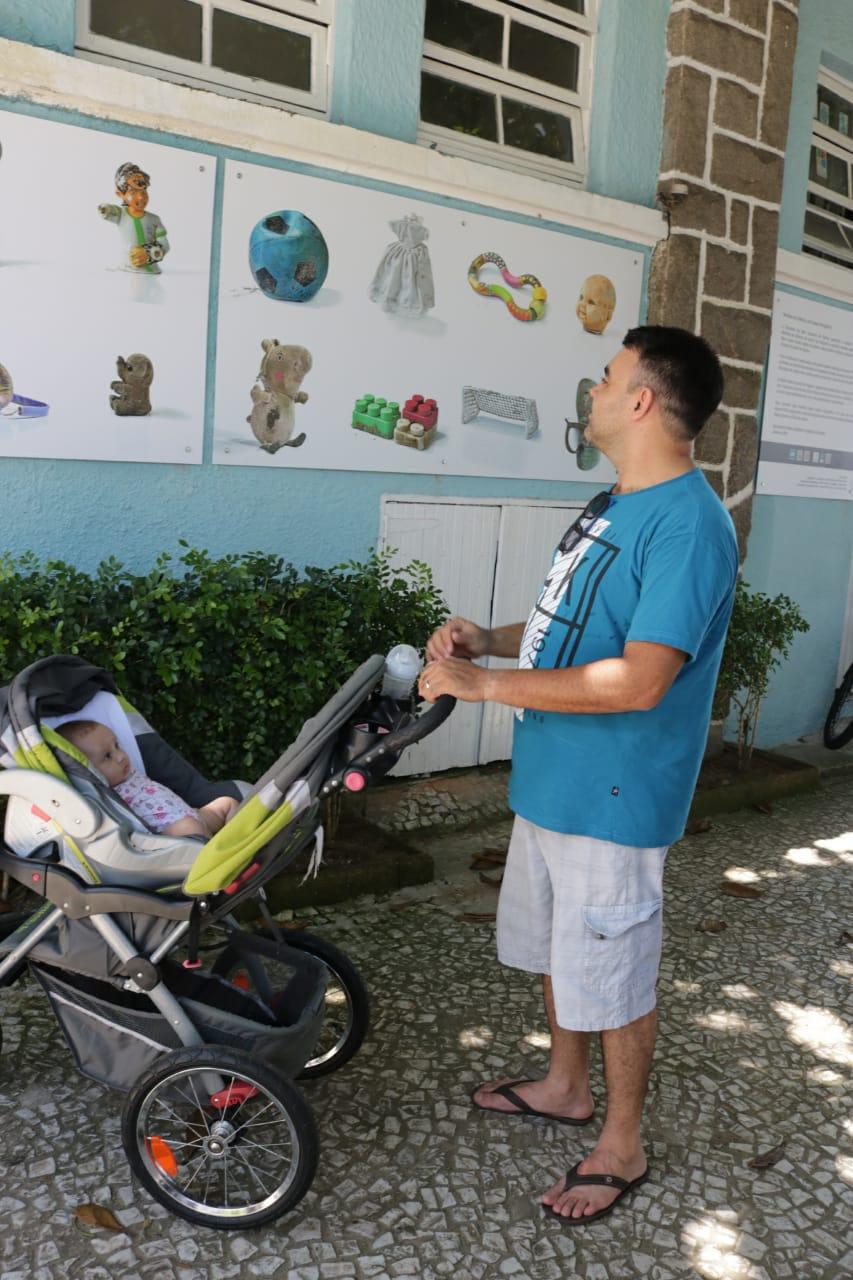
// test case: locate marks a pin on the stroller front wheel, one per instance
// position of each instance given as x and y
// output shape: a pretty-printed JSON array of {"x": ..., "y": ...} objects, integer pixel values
[{"x": 219, "y": 1138}]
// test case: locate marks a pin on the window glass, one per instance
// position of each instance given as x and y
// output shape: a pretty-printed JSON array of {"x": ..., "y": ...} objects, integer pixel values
[
  {"x": 544, "y": 56},
  {"x": 534, "y": 129},
  {"x": 165, "y": 26},
  {"x": 464, "y": 27},
  {"x": 256, "y": 49},
  {"x": 459, "y": 107}
]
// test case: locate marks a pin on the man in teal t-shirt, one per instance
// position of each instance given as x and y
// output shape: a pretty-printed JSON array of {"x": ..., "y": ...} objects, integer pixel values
[{"x": 617, "y": 665}]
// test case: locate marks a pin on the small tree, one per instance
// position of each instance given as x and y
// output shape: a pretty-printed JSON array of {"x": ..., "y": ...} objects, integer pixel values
[{"x": 760, "y": 635}]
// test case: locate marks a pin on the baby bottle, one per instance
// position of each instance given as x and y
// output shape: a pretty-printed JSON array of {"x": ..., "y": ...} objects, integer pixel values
[{"x": 401, "y": 670}]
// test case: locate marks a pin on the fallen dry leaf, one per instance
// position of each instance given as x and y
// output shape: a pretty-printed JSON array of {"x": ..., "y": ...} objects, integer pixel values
[
  {"x": 488, "y": 858},
  {"x": 698, "y": 827},
  {"x": 766, "y": 1159},
  {"x": 735, "y": 889},
  {"x": 477, "y": 917},
  {"x": 96, "y": 1215},
  {"x": 711, "y": 926},
  {"x": 493, "y": 884}
]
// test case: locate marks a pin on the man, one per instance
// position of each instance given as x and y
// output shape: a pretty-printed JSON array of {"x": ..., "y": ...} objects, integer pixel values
[
  {"x": 616, "y": 672},
  {"x": 142, "y": 233}
]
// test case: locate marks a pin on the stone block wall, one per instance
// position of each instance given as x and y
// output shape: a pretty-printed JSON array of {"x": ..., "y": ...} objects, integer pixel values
[{"x": 726, "y": 102}]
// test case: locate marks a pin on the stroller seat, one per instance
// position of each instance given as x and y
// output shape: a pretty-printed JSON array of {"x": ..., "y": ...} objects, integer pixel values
[{"x": 58, "y": 800}]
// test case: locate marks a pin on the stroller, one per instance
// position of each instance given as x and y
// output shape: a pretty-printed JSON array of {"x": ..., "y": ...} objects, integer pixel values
[{"x": 206, "y": 1050}]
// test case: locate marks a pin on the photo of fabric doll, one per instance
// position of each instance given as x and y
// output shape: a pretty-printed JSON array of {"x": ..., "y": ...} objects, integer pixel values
[
  {"x": 160, "y": 808},
  {"x": 403, "y": 281},
  {"x": 142, "y": 233}
]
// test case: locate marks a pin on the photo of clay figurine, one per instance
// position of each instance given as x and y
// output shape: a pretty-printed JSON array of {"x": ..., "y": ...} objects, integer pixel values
[
  {"x": 276, "y": 393},
  {"x": 596, "y": 303},
  {"x": 403, "y": 283},
  {"x": 131, "y": 391},
  {"x": 143, "y": 236}
]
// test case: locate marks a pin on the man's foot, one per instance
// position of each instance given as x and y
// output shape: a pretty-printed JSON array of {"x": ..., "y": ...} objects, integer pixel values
[
  {"x": 535, "y": 1097},
  {"x": 590, "y": 1200}
]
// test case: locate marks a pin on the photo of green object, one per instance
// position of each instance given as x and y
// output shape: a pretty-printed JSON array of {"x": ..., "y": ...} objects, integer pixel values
[{"x": 586, "y": 454}]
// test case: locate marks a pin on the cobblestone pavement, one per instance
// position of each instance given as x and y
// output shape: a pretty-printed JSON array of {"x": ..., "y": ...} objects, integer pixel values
[{"x": 753, "y": 1053}]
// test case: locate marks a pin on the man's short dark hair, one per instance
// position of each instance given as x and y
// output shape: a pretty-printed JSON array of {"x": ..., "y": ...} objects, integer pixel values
[{"x": 682, "y": 370}]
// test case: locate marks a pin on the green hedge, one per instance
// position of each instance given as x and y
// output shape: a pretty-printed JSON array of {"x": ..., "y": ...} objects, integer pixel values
[{"x": 227, "y": 658}]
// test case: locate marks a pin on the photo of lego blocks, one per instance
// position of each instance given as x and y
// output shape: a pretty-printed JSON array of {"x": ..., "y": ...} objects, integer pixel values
[
  {"x": 376, "y": 416},
  {"x": 417, "y": 427}
]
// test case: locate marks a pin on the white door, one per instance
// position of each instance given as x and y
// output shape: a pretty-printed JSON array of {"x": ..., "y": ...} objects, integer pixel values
[
  {"x": 526, "y": 542},
  {"x": 488, "y": 559},
  {"x": 459, "y": 543}
]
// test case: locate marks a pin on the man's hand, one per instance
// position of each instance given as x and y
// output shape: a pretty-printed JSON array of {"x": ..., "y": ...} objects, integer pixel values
[
  {"x": 458, "y": 638},
  {"x": 139, "y": 256},
  {"x": 456, "y": 676}
]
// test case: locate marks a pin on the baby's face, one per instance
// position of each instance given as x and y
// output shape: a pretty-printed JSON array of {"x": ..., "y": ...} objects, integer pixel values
[
  {"x": 101, "y": 748},
  {"x": 596, "y": 303}
]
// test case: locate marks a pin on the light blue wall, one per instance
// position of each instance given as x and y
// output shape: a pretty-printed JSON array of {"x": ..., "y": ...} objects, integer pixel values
[
  {"x": 627, "y": 99},
  {"x": 825, "y": 35},
  {"x": 803, "y": 548},
  {"x": 49, "y": 23},
  {"x": 376, "y": 66}
]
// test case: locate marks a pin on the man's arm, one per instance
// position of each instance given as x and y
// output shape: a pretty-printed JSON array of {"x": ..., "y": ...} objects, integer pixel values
[
  {"x": 637, "y": 681},
  {"x": 461, "y": 638}
]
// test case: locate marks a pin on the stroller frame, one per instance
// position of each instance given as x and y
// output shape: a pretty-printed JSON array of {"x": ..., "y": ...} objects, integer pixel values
[{"x": 217, "y": 1060}]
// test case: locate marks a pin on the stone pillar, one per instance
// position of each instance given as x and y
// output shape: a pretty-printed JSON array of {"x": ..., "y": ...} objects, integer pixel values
[{"x": 726, "y": 101}]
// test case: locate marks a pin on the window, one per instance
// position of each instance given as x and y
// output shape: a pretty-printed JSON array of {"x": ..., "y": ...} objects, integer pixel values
[
  {"x": 507, "y": 82},
  {"x": 828, "y": 231},
  {"x": 260, "y": 50}
]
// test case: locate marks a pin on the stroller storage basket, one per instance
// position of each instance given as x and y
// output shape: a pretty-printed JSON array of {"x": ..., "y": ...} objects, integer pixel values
[{"x": 116, "y": 1035}]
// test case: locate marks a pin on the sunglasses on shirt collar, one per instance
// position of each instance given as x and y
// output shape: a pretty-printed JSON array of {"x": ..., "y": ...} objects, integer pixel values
[{"x": 576, "y": 529}]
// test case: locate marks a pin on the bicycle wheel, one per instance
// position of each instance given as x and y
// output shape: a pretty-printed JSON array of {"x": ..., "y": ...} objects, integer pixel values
[
  {"x": 838, "y": 729},
  {"x": 219, "y": 1139},
  {"x": 346, "y": 1010}
]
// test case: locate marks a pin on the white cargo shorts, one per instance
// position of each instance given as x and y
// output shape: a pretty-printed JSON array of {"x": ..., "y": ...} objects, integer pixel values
[{"x": 589, "y": 913}]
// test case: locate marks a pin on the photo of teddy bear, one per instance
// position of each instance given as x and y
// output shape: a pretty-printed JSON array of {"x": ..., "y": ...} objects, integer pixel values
[
  {"x": 131, "y": 396},
  {"x": 276, "y": 392}
]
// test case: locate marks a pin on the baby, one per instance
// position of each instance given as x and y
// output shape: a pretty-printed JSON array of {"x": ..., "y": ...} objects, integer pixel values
[{"x": 159, "y": 808}]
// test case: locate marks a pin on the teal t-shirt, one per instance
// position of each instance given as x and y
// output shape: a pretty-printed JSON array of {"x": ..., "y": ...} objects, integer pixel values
[{"x": 659, "y": 565}]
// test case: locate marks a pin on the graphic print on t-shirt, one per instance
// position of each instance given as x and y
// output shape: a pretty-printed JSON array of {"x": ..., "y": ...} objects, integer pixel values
[{"x": 566, "y": 599}]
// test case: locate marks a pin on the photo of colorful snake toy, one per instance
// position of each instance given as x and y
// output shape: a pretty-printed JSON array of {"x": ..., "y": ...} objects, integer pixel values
[{"x": 535, "y": 311}]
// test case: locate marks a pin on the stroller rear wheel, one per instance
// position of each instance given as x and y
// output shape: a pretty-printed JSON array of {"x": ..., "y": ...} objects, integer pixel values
[
  {"x": 219, "y": 1138},
  {"x": 346, "y": 1011}
]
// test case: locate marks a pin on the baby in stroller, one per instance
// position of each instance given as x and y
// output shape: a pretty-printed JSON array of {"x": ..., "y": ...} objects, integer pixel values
[{"x": 160, "y": 808}]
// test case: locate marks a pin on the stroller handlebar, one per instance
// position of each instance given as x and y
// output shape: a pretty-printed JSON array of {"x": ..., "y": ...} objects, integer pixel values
[{"x": 383, "y": 754}]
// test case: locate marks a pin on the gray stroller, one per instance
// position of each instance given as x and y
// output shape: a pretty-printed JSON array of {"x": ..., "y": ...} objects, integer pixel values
[{"x": 158, "y": 990}]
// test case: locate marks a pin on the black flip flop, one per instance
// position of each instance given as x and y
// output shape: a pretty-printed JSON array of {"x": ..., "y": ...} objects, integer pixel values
[
  {"x": 524, "y": 1109},
  {"x": 575, "y": 1179}
]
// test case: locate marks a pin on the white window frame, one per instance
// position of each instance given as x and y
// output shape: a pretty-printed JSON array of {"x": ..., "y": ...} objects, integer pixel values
[
  {"x": 500, "y": 81},
  {"x": 312, "y": 18},
  {"x": 838, "y": 144}
]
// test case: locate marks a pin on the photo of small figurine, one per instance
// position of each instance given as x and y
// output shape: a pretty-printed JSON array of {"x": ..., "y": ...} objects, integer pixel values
[
  {"x": 143, "y": 234},
  {"x": 131, "y": 392},
  {"x": 276, "y": 393},
  {"x": 596, "y": 303},
  {"x": 403, "y": 282}
]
